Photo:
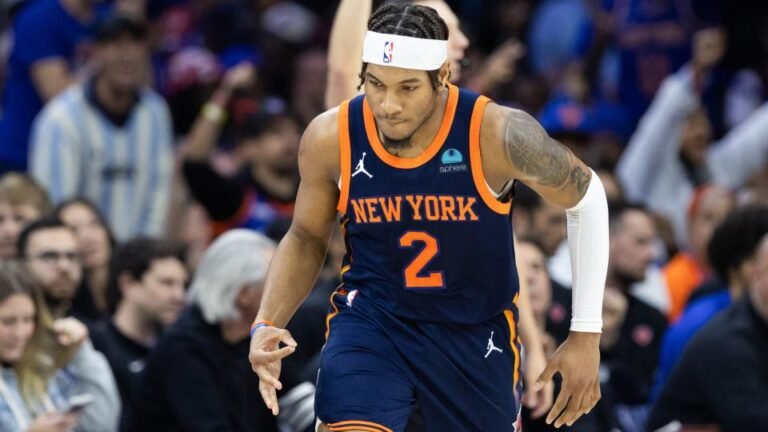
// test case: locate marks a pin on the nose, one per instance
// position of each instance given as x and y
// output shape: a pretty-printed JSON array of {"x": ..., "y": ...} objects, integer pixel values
[{"x": 390, "y": 105}]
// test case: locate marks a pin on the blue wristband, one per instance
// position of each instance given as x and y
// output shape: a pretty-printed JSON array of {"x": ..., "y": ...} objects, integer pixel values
[{"x": 258, "y": 326}]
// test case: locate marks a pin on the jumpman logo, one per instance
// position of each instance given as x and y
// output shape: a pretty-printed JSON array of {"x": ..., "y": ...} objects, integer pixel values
[
  {"x": 491, "y": 346},
  {"x": 360, "y": 168}
]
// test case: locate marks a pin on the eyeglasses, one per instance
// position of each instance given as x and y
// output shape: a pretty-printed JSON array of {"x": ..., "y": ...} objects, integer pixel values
[{"x": 52, "y": 257}]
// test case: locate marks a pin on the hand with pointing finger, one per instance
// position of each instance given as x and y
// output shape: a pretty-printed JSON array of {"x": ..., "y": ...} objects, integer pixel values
[
  {"x": 266, "y": 358},
  {"x": 578, "y": 361}
]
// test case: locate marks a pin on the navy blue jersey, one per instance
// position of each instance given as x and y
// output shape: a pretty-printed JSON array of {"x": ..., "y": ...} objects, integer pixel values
[{"x": 426, "y": 238}]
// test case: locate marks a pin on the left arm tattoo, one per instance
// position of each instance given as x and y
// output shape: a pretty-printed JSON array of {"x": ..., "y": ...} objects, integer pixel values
[{"x": 540, "y": 158}]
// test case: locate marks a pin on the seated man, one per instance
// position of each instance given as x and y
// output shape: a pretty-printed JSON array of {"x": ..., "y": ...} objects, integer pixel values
[
  {"x": 723, "y": 375},
  {"x": 147, "y": 283}
]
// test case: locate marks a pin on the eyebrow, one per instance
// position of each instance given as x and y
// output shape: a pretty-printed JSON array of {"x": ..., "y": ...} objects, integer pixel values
[{"x": 407, "y": 81}]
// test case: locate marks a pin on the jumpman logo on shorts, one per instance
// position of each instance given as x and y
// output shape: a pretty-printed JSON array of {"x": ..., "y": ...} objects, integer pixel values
[
  {"x": 361, "y": 168},
  {"x": 491, "y": 346}
]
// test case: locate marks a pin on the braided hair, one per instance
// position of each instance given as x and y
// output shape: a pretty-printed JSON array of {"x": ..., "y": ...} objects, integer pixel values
[{"x": 403, "y": 18}]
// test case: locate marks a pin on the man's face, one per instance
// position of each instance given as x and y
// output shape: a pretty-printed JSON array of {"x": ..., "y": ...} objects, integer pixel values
[
  {"x": 695, "y": 137},
  {"x": 714, "y": 207},
  {"x": 123, "y": 62},
  {"x": 53, "y": 259},
  {"x": 160, "y": 293},
  {"x": 632, "y": 246},
  {"x": 758, "y": 280},
  {"x": 457, "y": 40},
  {"x": 548, "y": 226},
  {"x": 402, "y": 100},
  {"x": 13, "y": 219},
  {"x": 277, "y": 148},
  {"x": 532, "y": 260}
]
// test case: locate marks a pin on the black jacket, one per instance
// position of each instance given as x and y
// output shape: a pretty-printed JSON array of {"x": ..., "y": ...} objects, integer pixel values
[{"x": 195, "y": 381}]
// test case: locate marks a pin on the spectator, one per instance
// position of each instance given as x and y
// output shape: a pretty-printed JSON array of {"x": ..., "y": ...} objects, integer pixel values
[
  {"x": 543, "y": 222},
  {"x": 96, "y": 243},
  {"x": 22, "y": 200},
  {"x": 688, "y": 269},
  {"x": 45, "y": 363},
  {"x": 198, "y": 377},
  {"x": 670, "y": 154},
  {"x": 49, "y": 45},
  {"x": 267, "y": 143},
  {"x": 735, "y": 344},
  {"x": 51, "y": 255},
  {"x": 109, "y": 139},
  {"x": 147, "y": 285},
  {"x": 730, "y": 251},
  {"x": 631, "y": 363}
]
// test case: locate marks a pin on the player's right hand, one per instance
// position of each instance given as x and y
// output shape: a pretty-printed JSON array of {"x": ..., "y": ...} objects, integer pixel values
[{"x": 266, "y": 357}]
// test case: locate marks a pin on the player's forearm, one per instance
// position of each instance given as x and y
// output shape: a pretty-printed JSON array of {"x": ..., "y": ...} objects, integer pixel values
[
  {"x": 291, "y": 276},
  {"x": 588, "y": 244}
]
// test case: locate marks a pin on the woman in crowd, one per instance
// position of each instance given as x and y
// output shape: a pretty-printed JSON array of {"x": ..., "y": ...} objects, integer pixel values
[
  {"x": 46, "y": 363},
  {"x": 96, "y": 245}
]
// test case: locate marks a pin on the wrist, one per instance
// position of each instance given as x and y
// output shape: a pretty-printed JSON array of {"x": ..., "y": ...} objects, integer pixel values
[
  {"x": 585, "y": 338},
  {"x": 214, "y": 113},
  {"x": 257, "y": 324}
]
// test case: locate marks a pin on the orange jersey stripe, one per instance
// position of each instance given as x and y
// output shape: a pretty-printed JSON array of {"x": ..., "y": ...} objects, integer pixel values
[
  {"x": 513, "y": 342},
  {"x": 345, "y": 157},
  {"x": 358, "y": 424},
  {"x": 332, "y": 314},
  {"x": 429, "y": 152},
  {"x": 476, "y": 161}
]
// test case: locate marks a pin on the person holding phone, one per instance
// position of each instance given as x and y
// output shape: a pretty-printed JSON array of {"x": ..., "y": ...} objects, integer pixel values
[{"x": 51, "y": 379}]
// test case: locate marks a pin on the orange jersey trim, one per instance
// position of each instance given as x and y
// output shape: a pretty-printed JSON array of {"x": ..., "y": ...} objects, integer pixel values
[
  {"x": 345, "y": 157},
  {"x": 513, "y": 342},
  {"x": 429, "y": 152},
  {"x": 333, "y": 313},
  {"x": 349, "y": 425},
  {"x": 476, "y": 160}
]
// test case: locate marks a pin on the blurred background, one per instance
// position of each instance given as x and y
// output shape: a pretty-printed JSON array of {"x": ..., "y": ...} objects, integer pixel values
[{"x": 148, "y": 153}]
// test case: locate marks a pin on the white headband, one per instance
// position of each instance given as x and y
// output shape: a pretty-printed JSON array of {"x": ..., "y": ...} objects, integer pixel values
[{"x": 404, "y": 51}]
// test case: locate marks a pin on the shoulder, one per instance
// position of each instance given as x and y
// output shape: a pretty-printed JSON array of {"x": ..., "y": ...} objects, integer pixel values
[
  {"x": 62, "y": 107},
  {"x": 320, "y": 143}
]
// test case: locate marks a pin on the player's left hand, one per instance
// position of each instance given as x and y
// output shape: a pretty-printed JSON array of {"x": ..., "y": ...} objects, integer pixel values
[{"x": 578, "y": 361}]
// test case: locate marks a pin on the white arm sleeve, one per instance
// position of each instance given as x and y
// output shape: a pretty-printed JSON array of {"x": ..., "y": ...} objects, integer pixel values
[{"x": 588, "y": 244}]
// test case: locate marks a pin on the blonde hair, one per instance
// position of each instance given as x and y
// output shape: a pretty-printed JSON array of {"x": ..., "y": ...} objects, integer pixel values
[
  {"x": 19, "y": 189},
  {"x": 43, "y": 356}
]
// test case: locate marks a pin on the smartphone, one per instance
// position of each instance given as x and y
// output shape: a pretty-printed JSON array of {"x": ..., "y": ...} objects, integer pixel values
[{"x": 77, "y": 402}]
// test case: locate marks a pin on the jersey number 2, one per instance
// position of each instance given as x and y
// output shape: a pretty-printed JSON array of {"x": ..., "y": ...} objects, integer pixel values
[{"x": 413, "y": 278}]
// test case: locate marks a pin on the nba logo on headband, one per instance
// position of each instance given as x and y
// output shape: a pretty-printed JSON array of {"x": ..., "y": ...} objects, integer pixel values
[{"x": 389, "y": 46}]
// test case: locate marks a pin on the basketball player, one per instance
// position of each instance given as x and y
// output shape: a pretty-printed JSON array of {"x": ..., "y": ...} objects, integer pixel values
[
  {"x": 344, "y": 51},
  {"x": 428, "y": 291}
]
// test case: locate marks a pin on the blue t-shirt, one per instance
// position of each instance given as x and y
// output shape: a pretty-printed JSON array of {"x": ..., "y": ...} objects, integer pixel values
[
  {"x": 695, "y": 316},
  {"x": 43, "y": 29}
]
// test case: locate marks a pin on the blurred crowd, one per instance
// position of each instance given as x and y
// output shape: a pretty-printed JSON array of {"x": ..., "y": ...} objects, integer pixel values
[{"x": 148, "y": 153}]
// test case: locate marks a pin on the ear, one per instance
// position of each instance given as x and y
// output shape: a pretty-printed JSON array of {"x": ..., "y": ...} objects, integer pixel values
[
  {"x": 126, "y": 284},
  {"x": 444, "y": 75}
]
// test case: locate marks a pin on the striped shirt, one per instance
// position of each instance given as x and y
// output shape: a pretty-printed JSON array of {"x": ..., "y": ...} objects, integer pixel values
[{"x": 76, "y": 151}]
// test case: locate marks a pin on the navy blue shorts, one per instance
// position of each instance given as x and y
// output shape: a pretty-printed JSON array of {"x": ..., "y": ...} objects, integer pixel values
[{"x": 375, "y": 367}]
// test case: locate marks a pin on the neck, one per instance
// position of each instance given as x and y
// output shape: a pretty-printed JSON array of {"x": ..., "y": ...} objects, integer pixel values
[
  {"x": 97, "y": 283},
  {"x": 80, "y": 9},
  {"x": 276, "y": 182},
  {"x": 135, "y": 325},
  {"x": 59, "y": 308},
  {"x": 425, "y": 133},
  {"x": 234, "y": 331},
  {"x": 116, "y": 101}
]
